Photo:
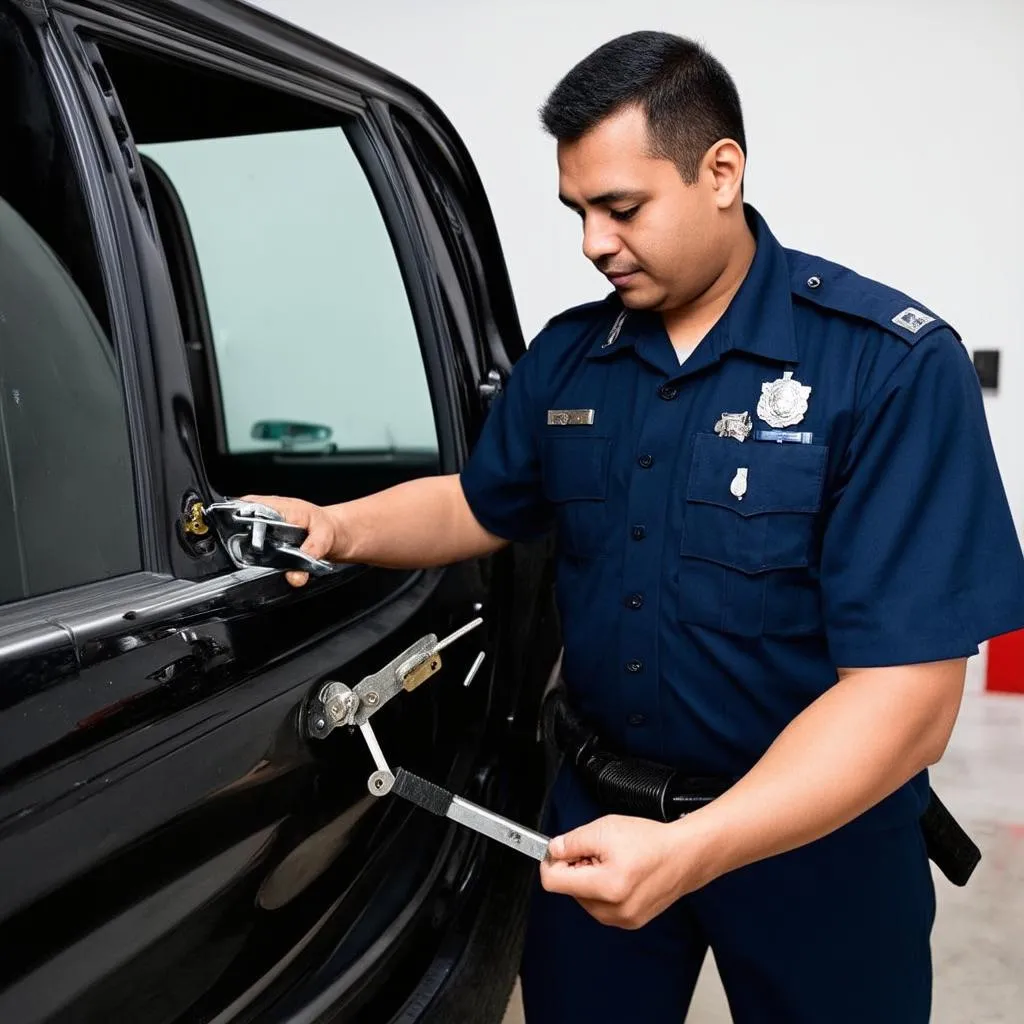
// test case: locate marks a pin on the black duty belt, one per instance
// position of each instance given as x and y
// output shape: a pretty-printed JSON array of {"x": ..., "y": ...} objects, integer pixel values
[{"x": 646, "y": 789}]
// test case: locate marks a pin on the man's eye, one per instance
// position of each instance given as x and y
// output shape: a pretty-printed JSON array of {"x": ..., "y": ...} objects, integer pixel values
[{"x": 621, "y": 215}]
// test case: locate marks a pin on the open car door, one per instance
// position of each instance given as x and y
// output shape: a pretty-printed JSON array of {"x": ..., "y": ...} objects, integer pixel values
[{"x": 266, "y": 267}]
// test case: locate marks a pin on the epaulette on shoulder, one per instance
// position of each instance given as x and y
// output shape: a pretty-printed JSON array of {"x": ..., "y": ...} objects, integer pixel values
[
  {"x": 831, "y": 286},
  {"x": 585, "y": 313}
]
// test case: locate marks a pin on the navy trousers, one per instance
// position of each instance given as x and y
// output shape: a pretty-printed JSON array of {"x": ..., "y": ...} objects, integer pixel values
[{"x": 836, "y": 932}]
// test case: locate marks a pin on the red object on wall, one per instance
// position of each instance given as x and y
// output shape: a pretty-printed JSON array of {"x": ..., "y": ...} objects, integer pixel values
[{"x": 1005, "y": 671}]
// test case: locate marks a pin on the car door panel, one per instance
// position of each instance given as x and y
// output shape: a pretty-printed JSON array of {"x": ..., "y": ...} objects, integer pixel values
[
  {"x": 182, "y": 793},
  {"x": 193, "y": 854}
]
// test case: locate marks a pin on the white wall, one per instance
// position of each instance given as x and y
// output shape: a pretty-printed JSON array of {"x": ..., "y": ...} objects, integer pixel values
[{"x": 884, "y": 134}]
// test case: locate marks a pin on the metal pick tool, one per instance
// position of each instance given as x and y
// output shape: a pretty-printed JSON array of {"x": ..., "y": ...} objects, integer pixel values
[
  {"x": 340, "y": 705},
  {"x": 446, "y": 805}
]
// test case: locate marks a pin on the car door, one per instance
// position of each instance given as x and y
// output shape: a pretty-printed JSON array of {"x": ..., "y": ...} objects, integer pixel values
[{"x": 267, "y": 267}]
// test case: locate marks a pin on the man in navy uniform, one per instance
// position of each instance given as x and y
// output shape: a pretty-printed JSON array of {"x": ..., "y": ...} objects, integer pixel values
[{"x": 781, "y": 532}]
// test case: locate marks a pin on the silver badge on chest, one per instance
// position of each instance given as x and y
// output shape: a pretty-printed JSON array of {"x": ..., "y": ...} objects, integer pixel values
[
  {"x": 783, "y": 402},
  {"x": 736, "y": 425}
]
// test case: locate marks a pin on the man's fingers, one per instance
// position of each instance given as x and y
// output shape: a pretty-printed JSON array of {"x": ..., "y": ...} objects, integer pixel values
[
  {"x": 583, "y": 881},
  {"x": 318, "y": 541},
  {"x": 571, "y": 846},
  {"x": 595, "y": 882},
  {"x": 272, "y": 500},
  {"x": 586, "y": 879},
  {"x": 317, "y": 544},
  {"x": 298, "y": 513},
  {"x": 295, "y": 510},
  {"x": 602, "y": 912},
  {"x": 581, "y": 842}
]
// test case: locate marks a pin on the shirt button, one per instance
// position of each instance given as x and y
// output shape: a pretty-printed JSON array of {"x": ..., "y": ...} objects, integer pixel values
[
  {"x": 639, "y": 532},
  {"x": 646, "y": 461},
  {"x": 635, "y": 601},
  {"x": 634, "y": 666},
  {"x": 668, "y": 392},
  {"x": 637, "y": 719}
]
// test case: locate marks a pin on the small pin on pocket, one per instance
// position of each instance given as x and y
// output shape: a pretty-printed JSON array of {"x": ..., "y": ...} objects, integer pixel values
[{"x": 738, "y": 487}]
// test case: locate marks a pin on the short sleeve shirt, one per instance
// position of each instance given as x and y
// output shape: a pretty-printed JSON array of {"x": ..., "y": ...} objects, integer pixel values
[{"x": 814, "y": 488}]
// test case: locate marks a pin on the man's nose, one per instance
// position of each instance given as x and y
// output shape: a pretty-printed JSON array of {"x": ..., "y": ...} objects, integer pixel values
[{"x": 599, "y": 239}]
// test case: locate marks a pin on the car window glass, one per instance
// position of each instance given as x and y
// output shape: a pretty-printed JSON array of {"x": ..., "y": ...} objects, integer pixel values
[
  {"x": 316, "y": 348},
  {"x": 67, "y": 503}
]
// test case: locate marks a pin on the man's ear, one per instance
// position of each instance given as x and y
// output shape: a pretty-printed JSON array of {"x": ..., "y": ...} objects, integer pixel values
[{"x": 724, "y": 164}]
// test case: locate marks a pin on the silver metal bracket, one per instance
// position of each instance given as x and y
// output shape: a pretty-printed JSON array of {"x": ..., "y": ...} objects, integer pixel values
[
  {"x": 491, "y": 387},
  {"x": 254, "y": 534},
  {"x": 339, "y": 705}
]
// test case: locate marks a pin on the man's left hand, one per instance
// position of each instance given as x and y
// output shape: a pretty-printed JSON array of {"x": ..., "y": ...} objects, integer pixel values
[{"x": 626, "y": 871}]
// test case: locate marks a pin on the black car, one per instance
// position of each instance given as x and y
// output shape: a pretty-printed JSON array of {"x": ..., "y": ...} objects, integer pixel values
[{"x": 235, "y": 259}]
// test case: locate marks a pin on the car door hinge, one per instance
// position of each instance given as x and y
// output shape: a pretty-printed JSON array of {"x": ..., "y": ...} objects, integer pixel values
[
  {"x": 491, "y": 387},
  {"x": 37, "y": 11}
]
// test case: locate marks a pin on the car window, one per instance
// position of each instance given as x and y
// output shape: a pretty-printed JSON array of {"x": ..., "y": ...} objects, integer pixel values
[
  {"x": 67, "y": 502},
  {"x": 316, "y": 348}
]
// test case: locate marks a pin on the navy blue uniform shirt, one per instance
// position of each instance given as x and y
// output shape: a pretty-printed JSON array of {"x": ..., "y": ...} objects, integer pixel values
[{"x": 709, "y": 587}]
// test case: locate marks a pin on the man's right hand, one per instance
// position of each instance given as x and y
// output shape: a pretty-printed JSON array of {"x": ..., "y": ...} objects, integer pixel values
[{"x": 321, "y": 528}]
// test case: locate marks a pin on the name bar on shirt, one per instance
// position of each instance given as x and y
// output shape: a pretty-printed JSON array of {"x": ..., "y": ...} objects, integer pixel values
[
  {"x": 784, "y": 436},
  {"x": 570, "y": 417}
]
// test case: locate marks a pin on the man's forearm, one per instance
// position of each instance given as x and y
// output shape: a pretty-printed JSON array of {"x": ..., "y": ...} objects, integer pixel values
[
  {"x": 413, "y": 525},
  {"x": 859, "y": 742}
]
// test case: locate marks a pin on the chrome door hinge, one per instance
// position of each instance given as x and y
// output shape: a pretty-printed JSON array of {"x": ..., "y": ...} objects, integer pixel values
[{"x": 491, "y": 387}]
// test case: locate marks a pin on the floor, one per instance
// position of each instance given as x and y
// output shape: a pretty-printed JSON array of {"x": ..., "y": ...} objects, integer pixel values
[{"x": 978, "y": 941}]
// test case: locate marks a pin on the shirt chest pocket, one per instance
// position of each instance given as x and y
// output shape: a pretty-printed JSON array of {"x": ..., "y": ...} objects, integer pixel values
[
  {"x": 575, "y": 480},
  {"x": 749, "y": 532}
]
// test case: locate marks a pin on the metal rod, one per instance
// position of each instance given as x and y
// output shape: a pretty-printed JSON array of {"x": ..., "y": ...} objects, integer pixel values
[
  {"x": 474, "y": 668},
  {"x": 375, "y": 752},
  {"x": 457, "y": 635}
]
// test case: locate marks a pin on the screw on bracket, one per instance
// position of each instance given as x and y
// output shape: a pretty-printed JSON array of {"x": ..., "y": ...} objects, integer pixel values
[
  {"x": 380, "y": 783},
  {"x": 339, "y": 703}
]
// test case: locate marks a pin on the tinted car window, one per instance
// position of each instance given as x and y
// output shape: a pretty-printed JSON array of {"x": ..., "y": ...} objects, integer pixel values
[
  {"x": 316, "y": 348},
  {"x": 67, "y": 503}
]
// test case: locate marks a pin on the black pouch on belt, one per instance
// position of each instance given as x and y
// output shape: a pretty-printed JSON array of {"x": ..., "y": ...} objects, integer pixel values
[
  {"x": 625, "y": 785},
  {"x": 646, "y": 789},
  {"x": 951, "y": 849}
]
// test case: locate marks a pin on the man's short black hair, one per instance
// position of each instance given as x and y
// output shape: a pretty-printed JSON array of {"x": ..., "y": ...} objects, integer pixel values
[{"x": 690, "y": 100}]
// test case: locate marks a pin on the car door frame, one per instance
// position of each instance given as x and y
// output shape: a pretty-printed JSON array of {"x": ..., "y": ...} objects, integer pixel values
[
  {"x": 140, "y": 295},
  {"x": 474, "y": 348}
]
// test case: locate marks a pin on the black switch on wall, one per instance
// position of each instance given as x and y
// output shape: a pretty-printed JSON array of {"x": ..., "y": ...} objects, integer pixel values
[{"x": 986, "y": 362}]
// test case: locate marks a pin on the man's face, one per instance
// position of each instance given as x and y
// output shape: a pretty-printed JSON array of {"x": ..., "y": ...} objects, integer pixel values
[{"x": 658, "y": 240}]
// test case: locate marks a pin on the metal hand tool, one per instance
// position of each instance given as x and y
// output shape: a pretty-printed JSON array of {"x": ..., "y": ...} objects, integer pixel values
[{"x": 339, "y": 705}]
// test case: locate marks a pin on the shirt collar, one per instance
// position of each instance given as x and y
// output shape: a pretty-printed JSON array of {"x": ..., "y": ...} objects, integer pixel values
[{"x": 759, "y": 320}]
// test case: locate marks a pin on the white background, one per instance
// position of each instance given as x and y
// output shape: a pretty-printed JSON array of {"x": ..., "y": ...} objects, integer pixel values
[{"x": 887, "y": 135}]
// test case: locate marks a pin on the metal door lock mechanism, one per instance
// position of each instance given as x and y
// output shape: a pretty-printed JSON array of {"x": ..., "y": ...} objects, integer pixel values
[
  {"x": 338, "y": 705},
  {"x": 257, "y": 535}
]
